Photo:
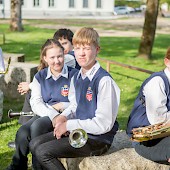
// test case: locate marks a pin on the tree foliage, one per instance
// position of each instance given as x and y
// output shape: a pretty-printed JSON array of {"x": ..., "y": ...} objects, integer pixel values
[
  {"x": 134, "y": 4},
  {"x": 165, "y": 1}
]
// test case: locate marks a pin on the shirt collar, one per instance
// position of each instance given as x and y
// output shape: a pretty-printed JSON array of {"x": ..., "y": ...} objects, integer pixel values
[
  {"x": 167, "y": 72},
  {"x": 90, "y": 74},
  {"x": 64, "y": 73}
]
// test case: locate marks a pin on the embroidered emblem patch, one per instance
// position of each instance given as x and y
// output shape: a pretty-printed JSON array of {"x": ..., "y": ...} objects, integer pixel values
[
  {"x": 89, "y": 94},
  {"x": 64, "y": 90}
]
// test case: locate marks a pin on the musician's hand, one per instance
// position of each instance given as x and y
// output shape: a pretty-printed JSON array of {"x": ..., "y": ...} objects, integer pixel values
[
  {"x": 58, "y": 107},
  {"x": 60, "y": 130},
  {"x": 58, "y": 120},
  {"x": 167, "y": 123},
  {"x": 23, "y": 87}
]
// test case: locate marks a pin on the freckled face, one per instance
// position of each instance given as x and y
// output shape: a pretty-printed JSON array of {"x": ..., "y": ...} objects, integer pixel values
[
  {"x": 167, "y": 63},
  {"x": 86, "y": 55},
  {"x": 55, "y": 59}
]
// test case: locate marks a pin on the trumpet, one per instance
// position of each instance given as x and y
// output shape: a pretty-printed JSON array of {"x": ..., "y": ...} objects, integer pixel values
[
  {"x": 6, "y": 71},
  {"x": 78, "y": 138},
  {"x": 12, "y": 114}
]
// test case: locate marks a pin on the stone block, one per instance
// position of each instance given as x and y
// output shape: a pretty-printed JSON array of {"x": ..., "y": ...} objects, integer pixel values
[
  {"x": 18, "y": 72},
  {"x": 121, "y": 156},
  {"x": 14, "y": 57}
]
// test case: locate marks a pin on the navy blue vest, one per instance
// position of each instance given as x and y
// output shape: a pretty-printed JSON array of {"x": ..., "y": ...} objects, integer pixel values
[
  {"x": 86, "y": 97},
  {"x": 138, "y": 117},
  {"x": 77, "y": 65},
  {"x": 54, "y": 91}
]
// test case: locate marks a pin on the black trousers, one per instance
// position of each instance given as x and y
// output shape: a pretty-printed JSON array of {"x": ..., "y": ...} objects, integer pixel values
[
  {"x": 26, "y": 108},
  {"x": 36, "y": 126},
  {"x": 157, "y": 150},
  {"x": 47, "y": 149}
]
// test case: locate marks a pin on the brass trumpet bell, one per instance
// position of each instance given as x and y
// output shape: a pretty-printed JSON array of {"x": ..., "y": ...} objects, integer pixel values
[{"x": 78, "y": 138}]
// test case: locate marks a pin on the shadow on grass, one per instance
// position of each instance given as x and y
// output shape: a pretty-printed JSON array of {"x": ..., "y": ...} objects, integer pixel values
[
  {"x": 127, "y": 76},
  {"x": 5, "y": 159},
  {"x": 7, "y": 124}
]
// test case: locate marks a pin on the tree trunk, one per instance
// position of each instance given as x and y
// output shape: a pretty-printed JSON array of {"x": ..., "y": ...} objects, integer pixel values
[
  {"x": 16, "y": 21},
  {"x": 148, "y": 35}
]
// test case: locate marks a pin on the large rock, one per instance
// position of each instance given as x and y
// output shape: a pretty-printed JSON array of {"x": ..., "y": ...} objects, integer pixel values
[
  {"x": 18, "y": 72},
  {"x": 119, "y": 157},
  {"x": 14, "y": 57},
  {"x": 125, "y": 159}
]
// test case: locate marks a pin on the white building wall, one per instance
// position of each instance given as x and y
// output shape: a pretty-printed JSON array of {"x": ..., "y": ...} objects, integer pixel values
[{"x": 60, "y": 9}]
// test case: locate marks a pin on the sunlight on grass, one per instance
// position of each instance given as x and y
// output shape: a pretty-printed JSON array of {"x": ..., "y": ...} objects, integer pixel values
[{"x": 120, "y": 49}]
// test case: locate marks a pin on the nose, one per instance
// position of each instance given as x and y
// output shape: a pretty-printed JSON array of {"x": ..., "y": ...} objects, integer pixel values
[
  {"x": 56, "y": 60},
  {"x": 65, "y": 51},
  {"x": 81, "y": 51}
]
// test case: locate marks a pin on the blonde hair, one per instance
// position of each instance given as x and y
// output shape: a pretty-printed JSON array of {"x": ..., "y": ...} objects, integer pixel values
[
  {"x": 87, "y": 36},
  {"x": 167, "y": 55}
]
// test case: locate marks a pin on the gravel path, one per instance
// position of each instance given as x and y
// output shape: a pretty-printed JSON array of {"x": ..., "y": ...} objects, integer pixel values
[{"x": 122, "y": 27}]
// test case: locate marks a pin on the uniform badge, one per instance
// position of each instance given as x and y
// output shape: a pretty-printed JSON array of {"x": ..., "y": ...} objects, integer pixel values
[
  {"x": 89, "y": 94},
  {"x": 64, "y": 90}
]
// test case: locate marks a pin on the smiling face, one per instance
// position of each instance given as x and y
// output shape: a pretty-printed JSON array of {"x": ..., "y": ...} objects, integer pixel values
[{"x": 55, "y": 59}]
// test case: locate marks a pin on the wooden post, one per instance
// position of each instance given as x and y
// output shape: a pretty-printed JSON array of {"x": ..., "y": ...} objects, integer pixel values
[
  {"x": 108, "y": 62},
  {"x": 108, "y": 66},
  {"x": 3, "y": 38}
]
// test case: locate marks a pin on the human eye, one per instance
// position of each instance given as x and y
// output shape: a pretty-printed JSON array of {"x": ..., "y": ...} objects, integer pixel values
[
  {"x": 52, "y": 57},
  {"x": 76, "y": 48},
  {"x": 64, "y": 43},
  {"x": 60, "y": 56},
  {"x": 87, "y": 48}
]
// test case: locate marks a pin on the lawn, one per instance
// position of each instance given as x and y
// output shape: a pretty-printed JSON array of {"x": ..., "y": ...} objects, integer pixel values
[{"x": 120, "y": 49}]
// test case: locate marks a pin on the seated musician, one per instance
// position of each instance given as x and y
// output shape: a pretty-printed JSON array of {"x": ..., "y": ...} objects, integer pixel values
[
  {"x": 49, "y": 95},
  {"x": 93, "y": 107},
  {"x": 152, "y": 106}
]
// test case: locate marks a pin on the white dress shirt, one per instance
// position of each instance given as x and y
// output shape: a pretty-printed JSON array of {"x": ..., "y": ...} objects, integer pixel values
[
  {"x": 69, "y": 60},
  {"x": 39, "y": 107},
  {"x": 108, "y": 99},
  {"x": 2, "y": 65},
  {"x": 156, "y": 99}
]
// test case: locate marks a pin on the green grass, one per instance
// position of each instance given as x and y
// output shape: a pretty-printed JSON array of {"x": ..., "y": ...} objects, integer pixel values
[{"x": 120, "y": 49}]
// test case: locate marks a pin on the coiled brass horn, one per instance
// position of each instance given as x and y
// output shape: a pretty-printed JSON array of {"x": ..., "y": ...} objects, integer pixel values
[
  {"x": 78, "y": 138},
  {"x": 6, "y": 71},
  {"x": 12, "y": 114}
]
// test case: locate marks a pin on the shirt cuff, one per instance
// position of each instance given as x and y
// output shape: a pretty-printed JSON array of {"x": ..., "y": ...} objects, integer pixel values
[
  {"x": 30, "y": 86},
  {"x": 52, "y": 115},
  {"x": 65, "y": 105},
  {"x": 72, "y": 125}
]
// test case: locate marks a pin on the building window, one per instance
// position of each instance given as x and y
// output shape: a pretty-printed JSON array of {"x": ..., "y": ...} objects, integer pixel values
[
  {"x": 36, "y": 3},
  {"x": 85, "y": 3},
  {"x": 22, "y": 2},
  {"x": 99, "y": 4},
  {"x": 1, "y": 2},
  {"x": 71, "y": 3},
  {"x": 51, "y": 3}
]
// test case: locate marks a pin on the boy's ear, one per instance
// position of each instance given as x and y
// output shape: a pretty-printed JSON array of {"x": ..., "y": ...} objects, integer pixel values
[{"x": 98, "y": 49}]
